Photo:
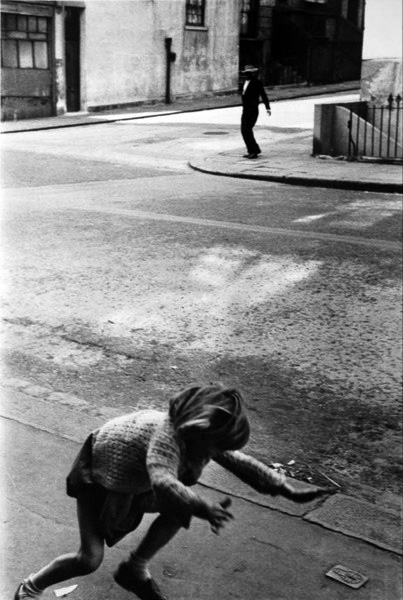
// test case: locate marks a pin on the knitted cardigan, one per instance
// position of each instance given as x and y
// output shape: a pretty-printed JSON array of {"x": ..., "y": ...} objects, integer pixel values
[{"x": 141, "y": 452}]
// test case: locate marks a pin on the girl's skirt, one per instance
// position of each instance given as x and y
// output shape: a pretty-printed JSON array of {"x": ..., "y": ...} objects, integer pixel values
[{"x": 118, "y": 513}]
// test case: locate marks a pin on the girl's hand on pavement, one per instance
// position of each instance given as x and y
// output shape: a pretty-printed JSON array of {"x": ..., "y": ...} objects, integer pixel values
[{"x": 219, "y": 515}]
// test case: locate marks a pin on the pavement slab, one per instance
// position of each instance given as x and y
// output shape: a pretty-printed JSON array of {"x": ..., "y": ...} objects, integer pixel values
[{"x": 360, "y": 519}]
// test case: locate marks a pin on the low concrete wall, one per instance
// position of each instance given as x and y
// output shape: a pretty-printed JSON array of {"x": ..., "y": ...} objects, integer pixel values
[
  {"x": 334, "y": 123},
  {"x": 330, "y": 134}
]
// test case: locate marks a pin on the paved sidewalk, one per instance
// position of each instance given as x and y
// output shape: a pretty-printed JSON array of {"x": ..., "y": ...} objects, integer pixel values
[
  {"x": 274, "y": 550},
  {"x": 145, "y": 110},
  {"x": 290, "y": 161}
]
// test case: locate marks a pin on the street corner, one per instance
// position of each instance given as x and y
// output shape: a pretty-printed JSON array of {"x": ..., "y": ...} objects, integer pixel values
[{"x": 302, "y": 169}]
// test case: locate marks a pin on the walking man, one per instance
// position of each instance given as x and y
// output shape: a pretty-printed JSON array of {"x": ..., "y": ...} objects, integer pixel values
[{"x": 252, "y": 91}]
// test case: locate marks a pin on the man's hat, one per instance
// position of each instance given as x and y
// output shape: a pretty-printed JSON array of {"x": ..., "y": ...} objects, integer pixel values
[{"x": 250, "y": 69}]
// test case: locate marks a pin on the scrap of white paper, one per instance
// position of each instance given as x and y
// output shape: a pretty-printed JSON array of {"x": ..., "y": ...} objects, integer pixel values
[{"x": 64, "y": 591}]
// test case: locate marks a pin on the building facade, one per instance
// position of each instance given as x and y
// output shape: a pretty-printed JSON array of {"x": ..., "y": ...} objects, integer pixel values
[
  {"x": 303, "y": 41},
  {"x": 70, "y": 55}
]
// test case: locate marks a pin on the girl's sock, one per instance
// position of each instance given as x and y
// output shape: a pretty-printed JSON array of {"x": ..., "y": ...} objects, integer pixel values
[{"x": 139, "y": 566}]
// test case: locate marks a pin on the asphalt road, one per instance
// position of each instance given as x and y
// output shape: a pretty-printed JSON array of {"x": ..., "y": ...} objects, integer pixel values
[{"x": 128, "y": 276}]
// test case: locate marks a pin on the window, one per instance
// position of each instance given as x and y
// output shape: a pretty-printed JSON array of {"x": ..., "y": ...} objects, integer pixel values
[
  {"x": 25, "y": 41},
  {"x": 249, "y": 17},
  {"x": 195, "y": 10},
  {"x": 25, "y": 54},
  {"x": 9, "y": 55}
]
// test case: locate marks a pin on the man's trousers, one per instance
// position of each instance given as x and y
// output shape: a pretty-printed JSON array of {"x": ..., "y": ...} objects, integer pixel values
[{"x": 248, "y": 121}]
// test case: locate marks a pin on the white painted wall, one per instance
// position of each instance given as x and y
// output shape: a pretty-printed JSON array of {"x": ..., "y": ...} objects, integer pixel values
[
  {"x": 119, "y": 57},
  {"x": 125, "y": 57}
]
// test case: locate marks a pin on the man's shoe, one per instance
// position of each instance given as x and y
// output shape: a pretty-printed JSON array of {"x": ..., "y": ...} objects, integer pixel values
[
  {"x": 252, "y": 156},
  {"x": 145, "y": 590}
]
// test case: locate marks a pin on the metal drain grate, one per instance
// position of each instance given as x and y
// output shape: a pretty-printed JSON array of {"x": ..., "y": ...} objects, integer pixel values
[{"x": 347, "y": 576}]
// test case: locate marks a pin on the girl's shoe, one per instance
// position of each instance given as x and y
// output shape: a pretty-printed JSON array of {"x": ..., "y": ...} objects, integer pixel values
[
  {"x": 25, "y": 591},
  {"x": 145, "y": 590}
]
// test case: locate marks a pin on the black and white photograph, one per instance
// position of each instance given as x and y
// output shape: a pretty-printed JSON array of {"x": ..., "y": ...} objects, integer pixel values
[{"x": 201, "y": 300}]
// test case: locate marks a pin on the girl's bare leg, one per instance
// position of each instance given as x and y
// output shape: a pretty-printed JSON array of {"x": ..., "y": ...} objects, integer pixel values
[
  {"x": 162, "y": 530},
  {"x": 133, "y": 575},
  {"x": 86, "y": 560}
]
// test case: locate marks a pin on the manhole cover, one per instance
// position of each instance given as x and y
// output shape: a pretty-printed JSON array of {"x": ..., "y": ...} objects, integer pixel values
[{"x": 215, "y": 133}]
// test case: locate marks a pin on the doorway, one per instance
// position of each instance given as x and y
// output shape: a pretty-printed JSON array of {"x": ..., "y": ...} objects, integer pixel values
[{"x": 72, "y": 53}]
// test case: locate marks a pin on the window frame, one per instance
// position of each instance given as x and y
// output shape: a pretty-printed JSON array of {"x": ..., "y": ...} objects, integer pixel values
[
  {"x": 196, "y": 10},
  {"x": 27, "y": 35}
]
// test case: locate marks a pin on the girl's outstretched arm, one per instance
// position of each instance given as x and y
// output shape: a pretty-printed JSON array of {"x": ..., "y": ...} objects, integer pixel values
[
  {"x": 264, "y": 479},
  {"x": 163, "y": 461},
  {"x": 176, "y": 498}
]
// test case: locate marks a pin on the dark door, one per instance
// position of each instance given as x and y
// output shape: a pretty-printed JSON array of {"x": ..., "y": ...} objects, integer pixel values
[{"x": 72, "y": 53}]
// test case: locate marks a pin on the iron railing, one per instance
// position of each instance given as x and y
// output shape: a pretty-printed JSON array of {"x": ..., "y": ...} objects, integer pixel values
[{"x": 377, "y": 132}]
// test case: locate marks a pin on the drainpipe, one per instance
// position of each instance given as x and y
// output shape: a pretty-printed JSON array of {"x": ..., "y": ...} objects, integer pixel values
[{"x": 170, "y": 57}]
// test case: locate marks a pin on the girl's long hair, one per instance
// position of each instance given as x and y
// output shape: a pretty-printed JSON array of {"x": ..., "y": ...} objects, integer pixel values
[{"x": 214, "y": 411}]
